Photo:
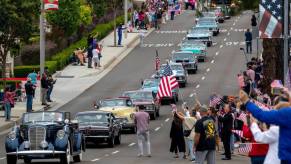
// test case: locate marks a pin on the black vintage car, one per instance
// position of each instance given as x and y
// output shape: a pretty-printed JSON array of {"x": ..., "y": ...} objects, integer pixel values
[
  {"x": 99, "y": 126},
  {"x": 44, "y": 135}
]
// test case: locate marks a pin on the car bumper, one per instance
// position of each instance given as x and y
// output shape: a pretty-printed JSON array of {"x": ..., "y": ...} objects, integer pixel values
[
  {"x": 128, "y": 125},
  {"x": 36, "y": 152}
]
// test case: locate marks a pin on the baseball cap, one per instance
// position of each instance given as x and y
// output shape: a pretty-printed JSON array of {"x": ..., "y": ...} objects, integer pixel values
[{"x": 203, "y": 108}]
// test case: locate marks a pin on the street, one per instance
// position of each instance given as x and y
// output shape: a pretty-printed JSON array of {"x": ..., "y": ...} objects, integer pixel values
[{"x": 217, "y": 74}]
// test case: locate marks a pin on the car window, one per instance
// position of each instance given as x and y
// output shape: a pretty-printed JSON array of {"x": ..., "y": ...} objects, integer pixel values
[
  {"x": 113, "y": 102},
  {"x": 92, "y": 118},
  {"x": 139, "y": 95},
  {"x": 43, "y": 117},
  {"x": 150, "y": 83}
]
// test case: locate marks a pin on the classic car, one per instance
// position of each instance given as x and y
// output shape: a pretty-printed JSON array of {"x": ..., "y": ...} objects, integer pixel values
[
  {"x": 98, "y": 127},
  {"x": 122, "y": 108},
  {"x": 200, "y": 34},
  {"x": 210, "y": 24},
  {"x": 146, "y": 100},
  {"x": 178, "y": 71},
  {"x": 187, "y": 59},
  {"x": 153, "y": 86},
  {"x": 197, "y": 48},
  {"x": 44, "y": 135}
]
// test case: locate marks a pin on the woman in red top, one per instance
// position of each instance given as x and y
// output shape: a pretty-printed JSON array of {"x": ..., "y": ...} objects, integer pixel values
[
  {"x": 258, "y": 151},
  {"x": 8, "y": 103}
]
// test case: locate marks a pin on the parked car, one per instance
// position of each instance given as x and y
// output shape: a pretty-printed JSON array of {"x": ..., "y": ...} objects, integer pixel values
[
  {"x": 152, "y": 85},
  {"x": 209, "y": 23},
  {"x": 44, "y": 135},
  {"x": 200, "y": 34},
  {"x": 188, "y": 60},
  {"x": 178, "y": 71},
  {"x": 197, "y": 48},
  {"x": 98, "y": 127},
  {"x": 146, "y": 100},
  {"x": 122, "y": 108}
]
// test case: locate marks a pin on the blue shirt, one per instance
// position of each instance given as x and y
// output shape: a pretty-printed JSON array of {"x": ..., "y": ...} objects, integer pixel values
[
  {"x": 248, "y": 36},
  {"x": 33, "y": 77},
  {"x": 282, "y": 118}
]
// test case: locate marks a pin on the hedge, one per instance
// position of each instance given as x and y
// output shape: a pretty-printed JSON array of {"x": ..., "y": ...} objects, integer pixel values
[
  {"x": 11, "y": 84},
  {"x": 61, "y": 59}
]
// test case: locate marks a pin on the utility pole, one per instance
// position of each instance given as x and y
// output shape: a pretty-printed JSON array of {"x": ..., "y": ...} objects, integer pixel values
[
  {"x": 125, "y": 17},
  {"x": 286, "y": 31},
  {"x": 41, "y": 43}
]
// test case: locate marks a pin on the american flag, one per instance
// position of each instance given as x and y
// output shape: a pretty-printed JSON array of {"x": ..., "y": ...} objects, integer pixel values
[
  {"x": 158, "y": 61},
  {"x": 242, "y": 117},
  {"x": 238, "y": 132},
  {"x": 167, "y": 84},
  {"x": 271, "y": 14},
  {"x": 245, "y": 147},
  {"x": 167, "y": 70},
  {"x": 214, "y": 100},
  {"x": 262, "y": 105}
]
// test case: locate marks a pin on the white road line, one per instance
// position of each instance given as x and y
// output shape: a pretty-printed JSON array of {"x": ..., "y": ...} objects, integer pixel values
[
  {"x": 228, "y": 33},
  {"x": 167, "y": 119},
  {"x": 220, "y": 46},
  {"x": 208, "y": 69},
  {"x": 131, "y": 144},
  {"x": 231, "y": 28},
  {"x": 2, "y": 158},
  {"x": 233, "y": 24},
  {"x": 96, "y": 159},
  {"x": 216, "y": 53},
  {"x": 212, "y": 61},
  {"x": 191, "y": 95},
  {"x": 224, "y": 39},
  {"x": 158, "y": 128},
  {"x": 197, "y": 86},
  {"x": 203, "y": 77},
  {"x": 106, "y": 155},
  {"x": 115, "y": 152}
]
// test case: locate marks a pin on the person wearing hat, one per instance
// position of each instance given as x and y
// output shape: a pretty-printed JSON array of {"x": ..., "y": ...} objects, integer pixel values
[
  {"x": 29, "y": 90},
  {"x": 204, "y": 139}
]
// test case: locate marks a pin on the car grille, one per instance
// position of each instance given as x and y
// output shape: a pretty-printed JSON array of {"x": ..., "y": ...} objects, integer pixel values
[{"x": 35, "y": 136}]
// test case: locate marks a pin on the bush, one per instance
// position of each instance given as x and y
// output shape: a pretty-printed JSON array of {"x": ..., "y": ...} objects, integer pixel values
[
  {"x": 23, "y": 71},
  {"x": 11, "y": 84}
]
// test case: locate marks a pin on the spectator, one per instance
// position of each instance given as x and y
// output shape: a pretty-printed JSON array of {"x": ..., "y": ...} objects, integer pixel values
[
  {"x": 212, "y": 112},
  {"x": 29, "y": 91},
  {"x": 90, "y": 55},
  {"x": 96, "y": 58},
  {"x": 135, "y": 17},
  {"x": 8, "y": 103},
  {"x": 177, "y": 137},
  {"x": 44, "y": 88},
  {"x": 254, "y": 21},
  {"x": 119, "y": 32},
  {"x": 205, "y": 138},
  {"x": 172, "y": 12},
  {"x": 248, "y": 39},
  {"x": 251, "y": 73},
  {"x": 277, "y": 117},
  {"x": 142, "y": 120},
  {"x": 227, "y": 126},
  {"x": 51, "y": 83},
  {"x": 79, "y": 53},
  {"x": 99, "y": 48},
  {"x": 33, "y": 78}
]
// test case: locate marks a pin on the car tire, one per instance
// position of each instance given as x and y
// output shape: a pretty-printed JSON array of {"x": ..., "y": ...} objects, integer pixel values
[
  {"x": 11, "y": 159},
  {"x": 66, "y": 158},
  {"x": 111, "y": 142},
  {"x": 118, "y": 139},
  {"x": 27, "y": 160},
  {"x": 78, "y": 158}
]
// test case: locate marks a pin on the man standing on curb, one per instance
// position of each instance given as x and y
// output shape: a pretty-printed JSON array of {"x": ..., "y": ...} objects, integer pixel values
[
  {"x": 44, "y": 88},
  {"x": 204, "y": 139},
  {"x": 29, "y": 90},
  {"x": 142, "y": 120},
  {"x": 248, "y": 39}
]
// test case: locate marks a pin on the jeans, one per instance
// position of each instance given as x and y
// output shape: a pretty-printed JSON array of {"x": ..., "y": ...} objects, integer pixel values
[
  {"x": 49, "y": 92},
  {"x": 226, "y": 145},
  {"x": 143, "y": 138},
  {"x": 258, "y": 160},
  {"x": 190, "y": 147},
  {"x": 29, "y": 99},
  {"x": 89, "y": 62},
  {"x": 7, "y": 107},
  {"x": 209, "y": 155},
  {"x": 172, "y": 15},
  {"x": 43, "y": 95},
  {"x": 119, "y": 39},
  {"x": 249, "y": 46}
]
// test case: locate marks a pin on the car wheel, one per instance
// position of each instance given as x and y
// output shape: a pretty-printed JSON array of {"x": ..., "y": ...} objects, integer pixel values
[
  {"x": 11, "y": 159},
  {"x": 66, "y": 158},
  {"x": 118, "y": 139},
  {"x": 27, "y": 160},
  {"x": 111, "y": 142},
  {"x": 78, "y": 158}
]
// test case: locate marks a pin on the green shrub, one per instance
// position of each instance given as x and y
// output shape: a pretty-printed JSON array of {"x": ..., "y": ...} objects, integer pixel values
[
  {"x": 23, "y": 71},
  {"x": 9, "y": 83}
]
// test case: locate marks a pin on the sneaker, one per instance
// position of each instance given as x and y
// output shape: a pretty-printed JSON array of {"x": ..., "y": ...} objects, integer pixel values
[
  {"x": 139, "y": 155},
  {"x": 149, "y": 155}
]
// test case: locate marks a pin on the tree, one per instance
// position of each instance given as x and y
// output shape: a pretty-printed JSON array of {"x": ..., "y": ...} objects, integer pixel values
[
  {"x": 85, "y": 14},
  {"x": 99, "y": 7},
  {"x": 16, "y": 25},
  {"x": 66, "y": 20}
]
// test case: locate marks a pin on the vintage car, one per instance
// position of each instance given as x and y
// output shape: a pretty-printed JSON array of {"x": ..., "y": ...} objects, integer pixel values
[
  {"x": 178, "y": 71},
  {"x": 44, "y": 135},
  {"x": 197, "y": 48},
  {"x": 98, "y": 127},
  {"x": 146, "y": 100},
  {"x": 209, "y": 23},
  {"x": 152, "y": 85},
  {"x": 122, "y": 108},
  {"x": 188, "y": 60},
  {"x": 200, "y": 34}
]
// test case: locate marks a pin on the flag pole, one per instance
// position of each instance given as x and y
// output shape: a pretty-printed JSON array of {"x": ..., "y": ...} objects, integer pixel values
[
  {"x": 42, "y": 43},
  {"x": 285, "y": 40}
]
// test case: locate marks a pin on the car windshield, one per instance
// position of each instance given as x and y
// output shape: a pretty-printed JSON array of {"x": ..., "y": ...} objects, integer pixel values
[
  {"x": 115, "y": 102},
  {"x": 150, "y": 83},
  {"x": 92, "y": 118},
  {"x": 199, "y": 31},
  {"x": 173, "y": 67},
  {"x": 206, "y": 23},
  {"x": 43, "y": 117},
  {"x": 192, "y": 44},
  {"x": 183, "y": 56},
  {"x": 208, "y": 14},
  {"x": 139, "y": 95}
]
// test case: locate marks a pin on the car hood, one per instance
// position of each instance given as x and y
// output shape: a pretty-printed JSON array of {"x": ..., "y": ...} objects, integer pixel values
[
  {"x": 178, "y": 73},
  {"x": 119, "y": 111},
  {"x": 93, "y": 125},
  {"x": 142, "y": 102}
]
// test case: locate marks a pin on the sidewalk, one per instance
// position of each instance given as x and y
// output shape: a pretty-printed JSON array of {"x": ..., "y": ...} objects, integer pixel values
[{"x": 73, "y": 80}]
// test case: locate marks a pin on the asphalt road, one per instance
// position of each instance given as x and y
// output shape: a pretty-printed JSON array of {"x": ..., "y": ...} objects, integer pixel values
[{"x": 217, "y": 74}]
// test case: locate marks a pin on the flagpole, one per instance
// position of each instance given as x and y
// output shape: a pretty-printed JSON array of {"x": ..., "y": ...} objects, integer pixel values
[
  {"x": 285, "y": 40},
  {"x": 41, "y": 43}
]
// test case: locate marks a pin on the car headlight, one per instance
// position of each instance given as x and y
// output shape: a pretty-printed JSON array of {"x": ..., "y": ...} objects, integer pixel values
[
  {"x": 12, "y": 135},
  {"x": 43, "y": 144},
  {"x": 61, "y": 134}
]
